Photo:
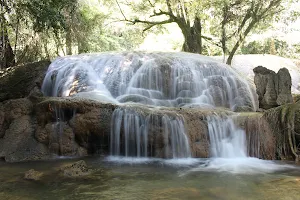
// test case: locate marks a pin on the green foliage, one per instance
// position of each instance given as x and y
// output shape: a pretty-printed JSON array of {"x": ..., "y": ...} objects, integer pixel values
[
  {"x": 48, "y": 14},
  {"x": 297, "y": 48},
  {"x": 39, "y": 29},
  {"x": 253, "y": 47},
  {"x": 44, "y": 29},
  {"x": 268, "y": 46}
]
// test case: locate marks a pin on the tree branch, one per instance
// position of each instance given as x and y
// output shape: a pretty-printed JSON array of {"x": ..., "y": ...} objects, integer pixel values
[
  {"x": 121, "y": 10},
  {"x": 209, "y": 39},
  {"x": 161, "y": 13},
  {"x": 151, "y": 4},
  {"x": 151, "y": 22},
  {"x": 170, "y": 8}
]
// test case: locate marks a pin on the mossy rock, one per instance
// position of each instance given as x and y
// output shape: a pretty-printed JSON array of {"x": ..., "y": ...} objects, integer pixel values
[
  {"x": 285, "y": 122},
  {"x": 19, "y": 81}
]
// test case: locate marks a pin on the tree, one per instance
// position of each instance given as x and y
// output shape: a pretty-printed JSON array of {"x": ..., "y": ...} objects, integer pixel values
[
  {"x": 188, "y": 15},
  {"x": 96, "y": 30},
  {"x": 7, "y": 57},
  {"x": 273, "y": 46},
  {"x": 232, "y": 20},
  {"x": 239, "y": 18},
  {"x": 28, "y": 26},
  {"x": 55, "y": 15}
]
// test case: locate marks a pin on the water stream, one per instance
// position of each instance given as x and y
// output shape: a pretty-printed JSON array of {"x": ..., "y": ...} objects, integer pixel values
[
  {"x": 135, "y": 135},
  {"x": 226, "y": 140},
  {"x": 154, "y": 80},
  {"x": 153, "y": 180},
  {"x": 159, "y": 79}
]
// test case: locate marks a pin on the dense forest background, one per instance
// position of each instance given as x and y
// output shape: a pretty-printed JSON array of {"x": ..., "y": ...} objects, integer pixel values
[{"x": 32, "y": 30}]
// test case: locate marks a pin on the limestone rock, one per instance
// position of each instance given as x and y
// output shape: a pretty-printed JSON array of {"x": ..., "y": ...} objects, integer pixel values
[
  {"x": 76, "y": 169},
  {"x": 16, "y": 108},
  {"x": 33, "y": 175},
  {"x": 18, "y": 143},
  {"x": 272, "y": 89},
  {"x": 259, "y": 136},
  {"x": 284, "y": 87},
  {"x": 284, "y": 122},
  {"x": 21, "y": 80}
]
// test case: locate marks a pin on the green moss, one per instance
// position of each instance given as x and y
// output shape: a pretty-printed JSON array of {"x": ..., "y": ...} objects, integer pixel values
[
  {"x": 19, "y": 81},
  {"x": 282, "y": 120}
]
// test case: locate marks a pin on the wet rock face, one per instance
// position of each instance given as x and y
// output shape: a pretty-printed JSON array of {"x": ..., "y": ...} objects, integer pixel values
[
  {"x": 284, "y": 122},
  {"x": 273, "y": 89},
  {"x": 18, "y": 144},
  {"x": 260, "y": 138},
  {"x": 37, "y": 127}
]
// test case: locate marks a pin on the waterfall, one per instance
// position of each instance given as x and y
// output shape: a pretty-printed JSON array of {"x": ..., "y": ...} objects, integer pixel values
[
  {"x": 158, "y": 79},
  {"x": 141, "y": 135},
  {"x": 154, "y": 80},
  {"x": 226, "y": 140}
]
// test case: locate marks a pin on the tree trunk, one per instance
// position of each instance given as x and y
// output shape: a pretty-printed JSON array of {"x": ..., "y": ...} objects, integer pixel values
[
  {"x": 69, "y": 41},
  {"x": 81, "y": 45},
  {"x": 192, "y": 37},
  {"x": 7, "y": 56},
  {"x": 239, "y": 42},
  {"x": 223, "y": 36}
]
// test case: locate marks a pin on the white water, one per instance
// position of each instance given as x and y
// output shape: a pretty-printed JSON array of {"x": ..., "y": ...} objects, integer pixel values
[
  {"x": 140, "y": 135},
  {"x": 228, "y": 148},
  {"x": 159, "y": 79},
  {"x": 226, "y": 140},
  {"x": 156, "y": 79}
]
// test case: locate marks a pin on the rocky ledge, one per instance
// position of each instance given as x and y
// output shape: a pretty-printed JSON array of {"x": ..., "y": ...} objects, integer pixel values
[{"x": 33, "y": 127}]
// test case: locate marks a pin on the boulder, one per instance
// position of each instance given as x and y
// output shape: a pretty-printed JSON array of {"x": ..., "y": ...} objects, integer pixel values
[
  {"x": 273, "y": 89},
  {"x": 284, "y": 87},
  {"x": 76, "y": 169},
  {"x": 284, "y": 122},
  {"x": 2, "y": 117},
  {"x": 21, "y": 80},
  {"x": 33, "y": 175},
  {"x": 18, "y": 143},
  {"x": 16, "y": 108}
]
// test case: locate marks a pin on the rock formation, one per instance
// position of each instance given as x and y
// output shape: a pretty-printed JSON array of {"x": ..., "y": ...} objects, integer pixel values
[
  {"x": 76, "y": 169},
  {"x": 20, "y": 81},
  {"x": 285, "y": 124},
  {"x": 273, "y": 89},
  {"x": 33, "y": 175},
  {"x": 34, "y": 127}
]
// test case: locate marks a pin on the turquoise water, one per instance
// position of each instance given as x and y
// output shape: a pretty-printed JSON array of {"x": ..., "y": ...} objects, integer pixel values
[{"x": 150, "y": 179}]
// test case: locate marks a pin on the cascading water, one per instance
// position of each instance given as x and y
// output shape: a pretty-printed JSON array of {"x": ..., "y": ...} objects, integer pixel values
[
  {"x": 230, "y": 151},
  {"x": 155, "y": 80},
  {"x": 226, "y": 140},
  {"x": 159, "y": 79},
  {"x": 137, "y": 135}
]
